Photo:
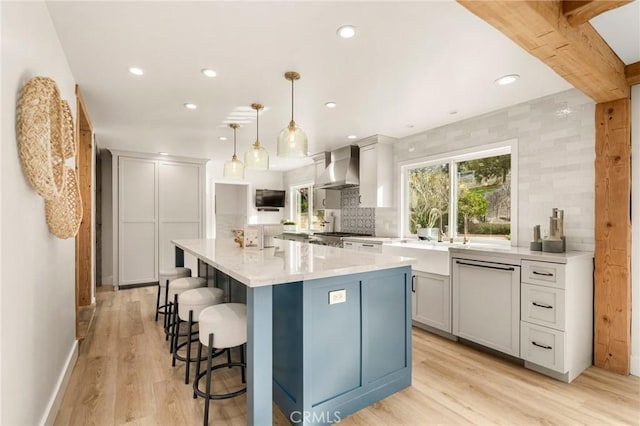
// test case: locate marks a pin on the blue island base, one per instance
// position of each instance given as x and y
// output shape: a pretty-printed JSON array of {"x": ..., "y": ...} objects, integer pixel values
[{"x": 340, "y": 344}]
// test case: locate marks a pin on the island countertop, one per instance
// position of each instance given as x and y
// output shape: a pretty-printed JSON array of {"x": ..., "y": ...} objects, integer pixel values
[{"x": 287, "y": 261}]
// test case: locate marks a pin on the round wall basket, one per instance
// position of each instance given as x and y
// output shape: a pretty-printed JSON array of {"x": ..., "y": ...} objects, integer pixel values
[
  {"x": 69, "y": 147},
  {"x": 40, "y": 133},
  {"x": 64, "y": 212}
]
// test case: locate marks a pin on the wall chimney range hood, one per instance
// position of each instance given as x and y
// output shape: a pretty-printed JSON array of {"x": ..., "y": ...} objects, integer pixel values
[{"x": 344, "y": 169}]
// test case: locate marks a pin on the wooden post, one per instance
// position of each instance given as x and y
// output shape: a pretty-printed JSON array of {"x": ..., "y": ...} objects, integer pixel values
[{"x": 612, "y": 297}]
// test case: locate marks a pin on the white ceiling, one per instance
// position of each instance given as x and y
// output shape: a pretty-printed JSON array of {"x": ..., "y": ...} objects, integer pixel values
[{"x": 408, "y": 67}]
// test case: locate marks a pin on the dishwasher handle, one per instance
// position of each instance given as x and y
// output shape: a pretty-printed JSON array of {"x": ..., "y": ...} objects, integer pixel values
[{"x": 476, "y": 265}]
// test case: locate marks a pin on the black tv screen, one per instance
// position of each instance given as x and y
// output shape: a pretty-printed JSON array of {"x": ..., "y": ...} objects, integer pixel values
[{"x": 270, "y": 198}]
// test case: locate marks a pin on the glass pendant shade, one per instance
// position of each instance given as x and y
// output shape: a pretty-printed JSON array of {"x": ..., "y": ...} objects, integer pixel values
[
  {"x": 292, "y": 140},
  {"x": 234, "y": 169},
  {"x": 256, "y": 158}
]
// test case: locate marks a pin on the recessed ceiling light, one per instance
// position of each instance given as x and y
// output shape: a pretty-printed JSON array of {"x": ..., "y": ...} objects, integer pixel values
[
  {"x": 412, "y": 149},
  {"x": 163, "y": 153},
  {"x": 223, "y": 138},
  {"x": 507, "y": 79},
  {"x": 136, "y": 71},
  {"x": 346, "y": 31},
  {"x": 453, "y": 112},
  {"x": 189, "y": 105},
  {"x": 208, "y": 72},
  {"x": 351, "y": 137},
  {"x": 331, "y": 104}
]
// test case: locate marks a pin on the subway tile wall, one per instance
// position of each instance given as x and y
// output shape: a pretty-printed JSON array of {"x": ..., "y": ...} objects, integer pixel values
[
  {"x": 556, "y": 152},
  {"x": 354, "y": 218}
]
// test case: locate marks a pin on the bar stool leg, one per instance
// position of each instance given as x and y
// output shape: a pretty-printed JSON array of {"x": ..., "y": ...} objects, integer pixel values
[
  {"x": 186, "y": 372},
  {"x": 229, "y": 357},
  {"x": 158, "y": 302},
  {"x": 208, "y": 385},
  {"x": 242, "y": 348},
  {"x": 197, "y": 368},
  {"x": 175, "y": 330}
]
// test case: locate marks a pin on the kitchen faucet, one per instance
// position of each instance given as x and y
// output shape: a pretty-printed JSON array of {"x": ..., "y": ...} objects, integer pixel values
[{"x": 439, "y": 213}]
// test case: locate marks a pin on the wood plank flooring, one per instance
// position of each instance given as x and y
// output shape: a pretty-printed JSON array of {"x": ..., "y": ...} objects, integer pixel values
[{"x": 124, "y": 377}]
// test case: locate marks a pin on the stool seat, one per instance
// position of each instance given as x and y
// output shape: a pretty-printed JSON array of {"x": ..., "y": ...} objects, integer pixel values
[
  {"x": 183, "y": 284},
  {"x": 172, "y": 274},
  {"x": 227, "y": 322},
  {"x": 197, "y": 299}
]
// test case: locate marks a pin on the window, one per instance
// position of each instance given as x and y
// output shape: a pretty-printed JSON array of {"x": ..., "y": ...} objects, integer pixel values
[
  {"x": 302, "y": 209},
  {"x": 475, "y": 188}
]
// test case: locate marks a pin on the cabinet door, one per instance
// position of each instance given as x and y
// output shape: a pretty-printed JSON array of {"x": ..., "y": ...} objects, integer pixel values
[
  {"x": 180, "y": 207},
  {"x": 369, "y": 247},
  {"x": 349, "y": 245},
  {"x": 433, "y": 300},
  {"x": 486, "y": 304},
  {"x": 137, "y": 221},
  {"x": 368, "y": 176}
]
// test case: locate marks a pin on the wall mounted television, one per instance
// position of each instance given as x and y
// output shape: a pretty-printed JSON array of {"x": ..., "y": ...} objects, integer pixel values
[{"x": 270, "y": 198}]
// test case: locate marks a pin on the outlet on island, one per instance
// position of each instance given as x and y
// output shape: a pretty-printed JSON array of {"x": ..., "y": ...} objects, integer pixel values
[{"x": 337, "y": 296}]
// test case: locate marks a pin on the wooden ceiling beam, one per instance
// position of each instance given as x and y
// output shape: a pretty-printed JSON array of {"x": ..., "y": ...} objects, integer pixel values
[
  {"x": 579, "y": 12},
  {"x": 578, "y": 54},
  {"x": 632, "y": 72}
]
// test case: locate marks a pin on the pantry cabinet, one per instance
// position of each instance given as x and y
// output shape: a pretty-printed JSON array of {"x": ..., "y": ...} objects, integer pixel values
[{"x": 155, "y": 200}]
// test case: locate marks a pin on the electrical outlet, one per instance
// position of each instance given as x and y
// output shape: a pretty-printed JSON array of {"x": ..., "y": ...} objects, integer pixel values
[{"x": 337, "y": 296}]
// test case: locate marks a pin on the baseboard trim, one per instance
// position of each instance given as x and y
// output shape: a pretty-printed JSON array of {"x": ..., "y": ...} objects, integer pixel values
[
  {"x": 49, "y": 416},
  {"x": 635, "y": 365}
]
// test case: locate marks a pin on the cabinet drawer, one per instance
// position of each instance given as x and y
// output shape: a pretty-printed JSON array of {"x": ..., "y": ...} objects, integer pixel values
[
  {"x": 542, "y": 346},
  {"x": 542, "y": 305},
  {"x": 543, "y": 273},
  {"x": 349, "y": 245},
  {"x": 369, "y": 247}
]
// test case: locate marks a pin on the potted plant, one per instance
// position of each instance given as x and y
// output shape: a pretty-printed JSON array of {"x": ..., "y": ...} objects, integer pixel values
[{"x": 289, "y": 226}]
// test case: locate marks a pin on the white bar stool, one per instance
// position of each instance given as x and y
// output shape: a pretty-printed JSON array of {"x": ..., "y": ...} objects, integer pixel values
[
  {"x": 177, "y": 287},
  {"x": 164, "y": 278},
  {"x": 190, "y": 304},
  {"x": 221, "y": 326}
]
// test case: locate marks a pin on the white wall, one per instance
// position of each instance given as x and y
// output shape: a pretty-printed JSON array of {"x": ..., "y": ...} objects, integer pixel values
[
  {"x": 107, "y": 218},
  {"x": 635, "y": 221},
  {"x": 37, "y": 307}
]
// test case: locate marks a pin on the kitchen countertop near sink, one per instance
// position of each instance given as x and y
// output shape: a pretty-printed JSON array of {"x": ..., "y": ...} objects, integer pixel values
[{"x": 516, "y": 252}]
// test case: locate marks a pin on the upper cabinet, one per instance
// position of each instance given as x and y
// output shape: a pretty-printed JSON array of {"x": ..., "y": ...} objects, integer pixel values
[
  {"x": 376, "y": 172},
  {"x": 324, "y": 198}
]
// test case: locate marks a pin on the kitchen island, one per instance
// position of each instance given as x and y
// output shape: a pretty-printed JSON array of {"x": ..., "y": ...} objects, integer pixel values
[{"x": 328, "y": 330}]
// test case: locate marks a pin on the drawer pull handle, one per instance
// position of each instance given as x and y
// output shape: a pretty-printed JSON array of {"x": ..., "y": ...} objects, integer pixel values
[
  {"x": 413, "y": 284},
  {"x": 541, "y": 346},
  {"x": 367, "y": 245},
  {"x": 544, "y": 274},
  {"x": 475, "y": 265},
  {"x": 540, "y": 305}
]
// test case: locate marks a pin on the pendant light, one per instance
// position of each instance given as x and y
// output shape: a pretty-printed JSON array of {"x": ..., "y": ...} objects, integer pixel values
[
  {"x": 292, "y": 141},
  {"x": 234, "y": 168},
  {"x": 256, "y": 157}
]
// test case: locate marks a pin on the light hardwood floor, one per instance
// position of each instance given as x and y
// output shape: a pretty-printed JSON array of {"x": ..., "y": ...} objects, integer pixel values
[{"x": 124, "y": 376}]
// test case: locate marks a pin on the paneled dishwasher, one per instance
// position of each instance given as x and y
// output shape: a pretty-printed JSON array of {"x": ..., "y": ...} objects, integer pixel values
[{"x": 486, "y": 303}]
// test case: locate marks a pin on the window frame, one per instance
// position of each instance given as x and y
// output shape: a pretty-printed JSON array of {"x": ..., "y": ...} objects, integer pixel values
[
  {"x": 293, "y": 212},
  {"x": 452, "y": 158}
]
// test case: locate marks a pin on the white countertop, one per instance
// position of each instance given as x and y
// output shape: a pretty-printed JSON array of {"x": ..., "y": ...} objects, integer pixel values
[
  {"x": 375, "y": 240},
  {"x": 519, "y": 252},
  {"x": 288, "y": 261}
]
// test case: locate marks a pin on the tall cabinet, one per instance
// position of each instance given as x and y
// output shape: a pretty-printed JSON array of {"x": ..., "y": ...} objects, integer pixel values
[{"x": 155, "y": 200}]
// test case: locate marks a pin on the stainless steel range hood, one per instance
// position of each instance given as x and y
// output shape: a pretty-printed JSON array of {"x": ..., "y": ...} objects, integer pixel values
[{"x": 343, "y": 171}]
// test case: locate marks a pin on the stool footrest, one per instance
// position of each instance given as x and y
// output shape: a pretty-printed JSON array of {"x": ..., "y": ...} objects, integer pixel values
[{"x": 202, "y": 394}]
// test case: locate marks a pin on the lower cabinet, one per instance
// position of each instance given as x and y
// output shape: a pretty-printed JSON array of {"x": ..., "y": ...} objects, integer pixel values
[
  {"x": 431, "y": 304},
  {"x": 360, "y": 246}
]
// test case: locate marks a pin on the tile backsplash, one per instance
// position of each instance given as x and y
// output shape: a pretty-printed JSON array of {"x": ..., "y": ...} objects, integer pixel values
[{"x": 354, "y": 218}]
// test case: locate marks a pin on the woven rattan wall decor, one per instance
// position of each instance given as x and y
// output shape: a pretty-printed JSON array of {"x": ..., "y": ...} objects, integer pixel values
[
  {"x": 39, "y": 128},
  {"x": 64, "y": 213},
  {"x": 46, "y": 139}
]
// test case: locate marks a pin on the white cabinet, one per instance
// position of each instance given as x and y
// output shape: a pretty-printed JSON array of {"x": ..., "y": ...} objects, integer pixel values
[
  {"x": 376, "y": 172},
  {"x": 486, "y": 304},
  {"x": 431, "y": 303},
  {"x": 155, "y": 200},
  {"x": 324, "y": 198},
  {"x": 557, "y": 316}
]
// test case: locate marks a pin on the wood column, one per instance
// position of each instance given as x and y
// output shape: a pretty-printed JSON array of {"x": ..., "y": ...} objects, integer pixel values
[{"x": 612, "y": 296}]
